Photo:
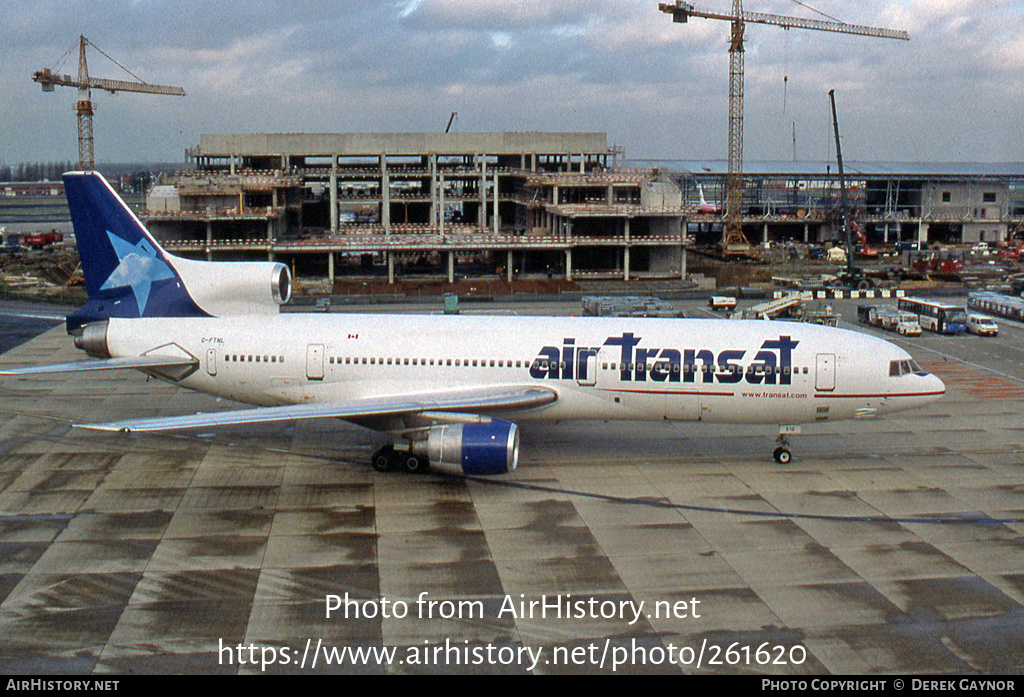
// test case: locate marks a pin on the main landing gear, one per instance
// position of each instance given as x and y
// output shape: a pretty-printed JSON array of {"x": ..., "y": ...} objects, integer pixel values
[{"x": 389, "y": 459}]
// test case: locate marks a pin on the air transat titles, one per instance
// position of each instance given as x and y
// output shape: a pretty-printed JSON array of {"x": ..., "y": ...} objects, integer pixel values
[{"x": 772, "y": 363}]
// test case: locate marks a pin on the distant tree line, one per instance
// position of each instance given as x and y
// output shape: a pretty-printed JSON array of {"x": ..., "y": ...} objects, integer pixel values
[
  {"x": 35, "y": 171},
  {"x": 140, "y": 174}
]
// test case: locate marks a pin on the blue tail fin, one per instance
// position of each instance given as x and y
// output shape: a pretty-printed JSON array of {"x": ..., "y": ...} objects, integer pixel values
[{"x": 127, "y": 274}]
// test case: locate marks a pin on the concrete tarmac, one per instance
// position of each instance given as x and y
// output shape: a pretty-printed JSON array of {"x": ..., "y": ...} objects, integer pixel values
[{"x": 889, "y": 546}]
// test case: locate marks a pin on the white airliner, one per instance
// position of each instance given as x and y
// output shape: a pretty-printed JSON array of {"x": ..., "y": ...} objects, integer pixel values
[
  {"x": 704, "y": 206},
  {"x": 448, "y": 389}
]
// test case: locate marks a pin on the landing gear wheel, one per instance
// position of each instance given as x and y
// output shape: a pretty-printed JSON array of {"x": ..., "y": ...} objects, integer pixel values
[
  {"x": 782, "y": 454},
  {"x": 384, "y": 459},
  {"x": 413, "y": 464}
]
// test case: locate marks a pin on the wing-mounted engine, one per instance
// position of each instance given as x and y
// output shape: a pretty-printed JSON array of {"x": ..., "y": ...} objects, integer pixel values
[
  {"x": 236, "y": 288},
  {"x": 485, "y": 446}
]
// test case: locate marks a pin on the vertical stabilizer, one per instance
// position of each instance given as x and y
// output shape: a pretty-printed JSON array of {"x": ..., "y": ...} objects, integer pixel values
[{"x": 127, "y": 273}]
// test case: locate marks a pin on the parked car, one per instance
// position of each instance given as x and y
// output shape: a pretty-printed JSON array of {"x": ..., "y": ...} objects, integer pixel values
[{"x": 982, "y": 325}]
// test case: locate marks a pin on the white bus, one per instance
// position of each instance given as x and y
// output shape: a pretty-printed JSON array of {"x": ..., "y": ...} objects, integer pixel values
[
  {"x": 936, "y": 316},
  {"x": 997, "y": 304}
]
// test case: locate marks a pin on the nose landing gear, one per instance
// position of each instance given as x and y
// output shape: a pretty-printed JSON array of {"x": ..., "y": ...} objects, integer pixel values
[{"x": 783, "y": 455}]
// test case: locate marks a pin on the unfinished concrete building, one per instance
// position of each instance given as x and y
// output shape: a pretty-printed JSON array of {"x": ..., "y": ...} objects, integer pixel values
[
  {"x": 436, "y": 205},
  {"x": 919, "y": 202}
]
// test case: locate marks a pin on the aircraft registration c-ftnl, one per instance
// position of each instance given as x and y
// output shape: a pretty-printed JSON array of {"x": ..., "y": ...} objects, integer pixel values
[{"x": 448, "y": 389}]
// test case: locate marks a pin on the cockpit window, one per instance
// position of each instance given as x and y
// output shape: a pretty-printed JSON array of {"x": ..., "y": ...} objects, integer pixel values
[{"x": 905, "y": 367}]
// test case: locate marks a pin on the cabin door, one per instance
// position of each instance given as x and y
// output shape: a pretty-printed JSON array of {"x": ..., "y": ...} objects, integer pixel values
[
  {"x": 315, "y": 362},
  {"x": 825, "y": 372},
  {"x": 211, "y": 361},
  {"x": 586, "y": 368}
]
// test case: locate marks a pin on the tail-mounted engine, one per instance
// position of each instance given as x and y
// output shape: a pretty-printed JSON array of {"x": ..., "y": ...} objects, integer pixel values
[{"x": 236, "y": 288}]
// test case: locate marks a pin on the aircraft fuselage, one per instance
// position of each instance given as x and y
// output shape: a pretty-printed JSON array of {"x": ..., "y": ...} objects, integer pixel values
[{"x": 601, "y": 368}]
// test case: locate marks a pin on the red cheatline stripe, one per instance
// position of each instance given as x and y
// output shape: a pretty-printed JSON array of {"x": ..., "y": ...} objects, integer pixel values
[{"x": 880, "y": 394}]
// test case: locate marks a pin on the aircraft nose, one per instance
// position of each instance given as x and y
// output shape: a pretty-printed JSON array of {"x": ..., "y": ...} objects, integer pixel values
[{"x": 936, "y": 388}]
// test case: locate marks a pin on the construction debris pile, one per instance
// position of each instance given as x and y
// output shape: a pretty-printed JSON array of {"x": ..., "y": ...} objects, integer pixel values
[{"x": 47, "y": 271}]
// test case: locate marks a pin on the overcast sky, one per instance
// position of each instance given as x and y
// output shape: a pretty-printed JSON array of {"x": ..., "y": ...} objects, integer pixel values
[{"x": 954, "y": 92}]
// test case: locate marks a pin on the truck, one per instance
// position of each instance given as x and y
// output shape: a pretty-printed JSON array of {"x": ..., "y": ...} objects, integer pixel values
[
  {"x": 39, "y": 240},
  {"x": 890, "y": 319},
  {"x": 722, "y": 302}
]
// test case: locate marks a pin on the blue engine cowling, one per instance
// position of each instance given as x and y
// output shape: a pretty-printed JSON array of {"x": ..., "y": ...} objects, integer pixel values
[{"x": 488, "y": 447}]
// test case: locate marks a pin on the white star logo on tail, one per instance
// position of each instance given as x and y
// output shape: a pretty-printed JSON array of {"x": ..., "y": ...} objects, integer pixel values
[{"x": 139, "y": 269}]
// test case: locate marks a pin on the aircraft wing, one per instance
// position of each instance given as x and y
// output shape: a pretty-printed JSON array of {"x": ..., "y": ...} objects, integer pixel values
[
  {"x": 484, "y": 399},
  {"x": 105, "y": 364}
]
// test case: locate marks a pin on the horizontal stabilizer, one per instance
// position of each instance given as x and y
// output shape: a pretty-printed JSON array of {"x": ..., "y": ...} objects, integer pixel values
[
  {"x": 105, "y": 364},
  {"x": 499, "y": 398}
]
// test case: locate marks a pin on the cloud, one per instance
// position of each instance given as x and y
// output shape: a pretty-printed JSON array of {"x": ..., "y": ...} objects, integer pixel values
[{"x": 619, "y": 66}]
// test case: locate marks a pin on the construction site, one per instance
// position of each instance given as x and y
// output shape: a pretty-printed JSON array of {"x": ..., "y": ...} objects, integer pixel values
[
  {"x": 545, "y": 210},
  {"x": 443, "y": 205}
]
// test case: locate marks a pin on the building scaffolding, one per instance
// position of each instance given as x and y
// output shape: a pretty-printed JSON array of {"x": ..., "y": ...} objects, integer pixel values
[{"x": 516, "y": 202}]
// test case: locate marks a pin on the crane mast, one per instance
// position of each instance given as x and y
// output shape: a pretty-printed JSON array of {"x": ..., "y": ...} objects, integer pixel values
[
  {"x": 734, "y": 240},
  {"x": 83, "y": 107},
  {"x": 86, "y": 158}
]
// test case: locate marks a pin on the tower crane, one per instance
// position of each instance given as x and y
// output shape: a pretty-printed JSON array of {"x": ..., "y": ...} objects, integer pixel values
[
  {"x": 85, "y": 83},
  {"x": 681, "y": 11}
]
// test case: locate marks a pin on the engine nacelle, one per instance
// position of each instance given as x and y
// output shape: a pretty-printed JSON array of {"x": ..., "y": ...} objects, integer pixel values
[
  {"x": 236, "y": 288},
  {"x": 485, "y": 448},
  {"x": 93, "y": 340}
]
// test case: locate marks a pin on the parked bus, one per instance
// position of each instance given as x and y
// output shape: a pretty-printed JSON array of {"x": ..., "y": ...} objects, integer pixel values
[
  {"x": 997, "y": 304},
  {"x": 936, "y": 316}
]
